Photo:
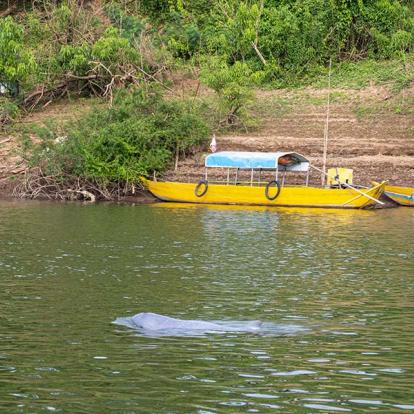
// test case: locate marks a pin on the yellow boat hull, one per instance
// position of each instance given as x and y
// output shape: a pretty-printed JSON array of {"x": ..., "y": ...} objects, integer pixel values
[
  {"x": 401, "y": 195},
  {"x": 292, "y": 196}
]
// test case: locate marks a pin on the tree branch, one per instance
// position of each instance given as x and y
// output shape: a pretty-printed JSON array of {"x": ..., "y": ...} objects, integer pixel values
[{"x": 8, "y": 11}]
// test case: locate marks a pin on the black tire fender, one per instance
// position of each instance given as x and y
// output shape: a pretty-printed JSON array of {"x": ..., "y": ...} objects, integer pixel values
[
  {"x": 268, "y": 185},
  {"x": 199, "y": 187}
]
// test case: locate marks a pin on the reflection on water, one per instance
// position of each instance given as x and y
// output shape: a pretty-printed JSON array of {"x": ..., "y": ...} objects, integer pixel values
[
  {"x": 68, "y": 270},
  {"x": 286, "y": 210}
]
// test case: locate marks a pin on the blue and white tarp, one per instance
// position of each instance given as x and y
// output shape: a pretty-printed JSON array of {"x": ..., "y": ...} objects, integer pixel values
[{"x": 255, "y": 160}]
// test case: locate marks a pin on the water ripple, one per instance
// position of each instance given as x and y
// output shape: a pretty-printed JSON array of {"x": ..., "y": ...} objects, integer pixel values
[{"x": 337, "y": 285}]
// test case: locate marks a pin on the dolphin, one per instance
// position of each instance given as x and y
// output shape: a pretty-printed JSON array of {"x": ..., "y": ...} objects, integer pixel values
[{"x": 153, "y": 323}]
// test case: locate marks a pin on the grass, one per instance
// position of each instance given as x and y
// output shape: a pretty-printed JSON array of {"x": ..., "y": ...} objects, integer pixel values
[
  {"x": 270, "y": 106},
  {"x": 58, "y": 114},
  {"x": 400, "y": 104},
  {"x": 30, "y": 126},
  {"x": 397, "y": 73},
  {"x": 280, "y": 103}
]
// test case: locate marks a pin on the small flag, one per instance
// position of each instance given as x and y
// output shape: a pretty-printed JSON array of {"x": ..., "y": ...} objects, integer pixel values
[{"x": 213, "y": 144}]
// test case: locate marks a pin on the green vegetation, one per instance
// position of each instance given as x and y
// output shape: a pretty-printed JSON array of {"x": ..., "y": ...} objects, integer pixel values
[
  {"x": 232, "y": 85},
  {"x": 286, "y": 43},
  {"x": 398, "y": 73},
  {"x": 399, "y": 104},
  {"x": 137, "y": 135},
  {"x": 16, "y": 61},
  {"x": 58, "y": 49}
]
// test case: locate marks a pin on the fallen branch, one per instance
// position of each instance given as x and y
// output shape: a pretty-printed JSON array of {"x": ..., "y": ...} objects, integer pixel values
[
  {"x": 35, "y": 184},
  {"x": 18, "y": 170},
  {"x": 86, "y": 194},
  {"x": 8, "y": 11}
]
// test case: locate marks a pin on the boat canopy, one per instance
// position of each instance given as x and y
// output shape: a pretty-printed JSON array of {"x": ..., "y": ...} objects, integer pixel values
[{"x": 283, "y": 161}]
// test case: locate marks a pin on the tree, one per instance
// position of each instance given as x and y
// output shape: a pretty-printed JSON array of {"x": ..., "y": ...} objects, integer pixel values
[
  {"x": 16, "y": 61},
  {"x": 233, "y": 85}
]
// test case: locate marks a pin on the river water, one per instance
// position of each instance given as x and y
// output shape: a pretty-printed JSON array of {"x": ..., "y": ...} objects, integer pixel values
[{"x": 339, "y": 284}]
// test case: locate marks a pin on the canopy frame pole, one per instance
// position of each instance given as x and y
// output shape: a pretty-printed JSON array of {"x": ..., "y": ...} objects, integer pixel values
[
  {"x": 283, "y": 177},
  {"x": 260, "y": 174},
  {"x": 251, "y": 178},
  {"x": 237, "y": 176},
  {"x": 228, "y": 176},
  {"x": 307, "y": 178},
  {"x": 361, "y": 193}
]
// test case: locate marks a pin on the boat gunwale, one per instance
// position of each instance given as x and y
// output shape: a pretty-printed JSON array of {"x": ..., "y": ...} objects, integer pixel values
[{"x": 377, "y": 191}]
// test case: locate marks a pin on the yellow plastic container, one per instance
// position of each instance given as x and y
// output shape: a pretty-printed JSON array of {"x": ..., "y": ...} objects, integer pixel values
[{"x": 345, "y": 175}]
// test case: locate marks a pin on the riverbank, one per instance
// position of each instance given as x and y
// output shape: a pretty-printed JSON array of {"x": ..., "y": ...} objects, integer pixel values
[{"x": 371, "y": 130}]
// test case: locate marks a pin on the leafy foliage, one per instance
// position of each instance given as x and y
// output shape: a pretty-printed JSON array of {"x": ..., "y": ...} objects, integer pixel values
[
  {"x": 293, "y": 38},
  {"x": 233, "y": 84},
  {"x": 287, "y": 40},
  {"x": 16, "y": 61},
  {"x": 139, "y": 134},
  {"x": 130, "y": 26}
]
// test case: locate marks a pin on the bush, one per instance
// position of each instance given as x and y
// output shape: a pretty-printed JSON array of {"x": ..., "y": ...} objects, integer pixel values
[
  {"x": 9, "y": 111},
  {"x": 138, "y": 135}
]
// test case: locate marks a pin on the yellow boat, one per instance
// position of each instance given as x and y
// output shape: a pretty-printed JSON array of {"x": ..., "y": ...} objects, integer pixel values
[
  {"x": 401, "y": 195},
  {"x": 263, "y": 193}
]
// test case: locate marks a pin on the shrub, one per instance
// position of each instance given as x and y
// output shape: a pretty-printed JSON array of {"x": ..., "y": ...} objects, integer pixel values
[
  {"x": 9, "y": 111},
  {"x": 138, "y": 135}
]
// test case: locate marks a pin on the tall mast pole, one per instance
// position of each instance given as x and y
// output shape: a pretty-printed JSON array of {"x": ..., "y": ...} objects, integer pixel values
[{"x": 326, "y": 129}]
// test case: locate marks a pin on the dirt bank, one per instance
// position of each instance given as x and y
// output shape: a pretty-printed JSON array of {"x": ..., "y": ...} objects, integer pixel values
[{"x": 370, "y": 130}]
